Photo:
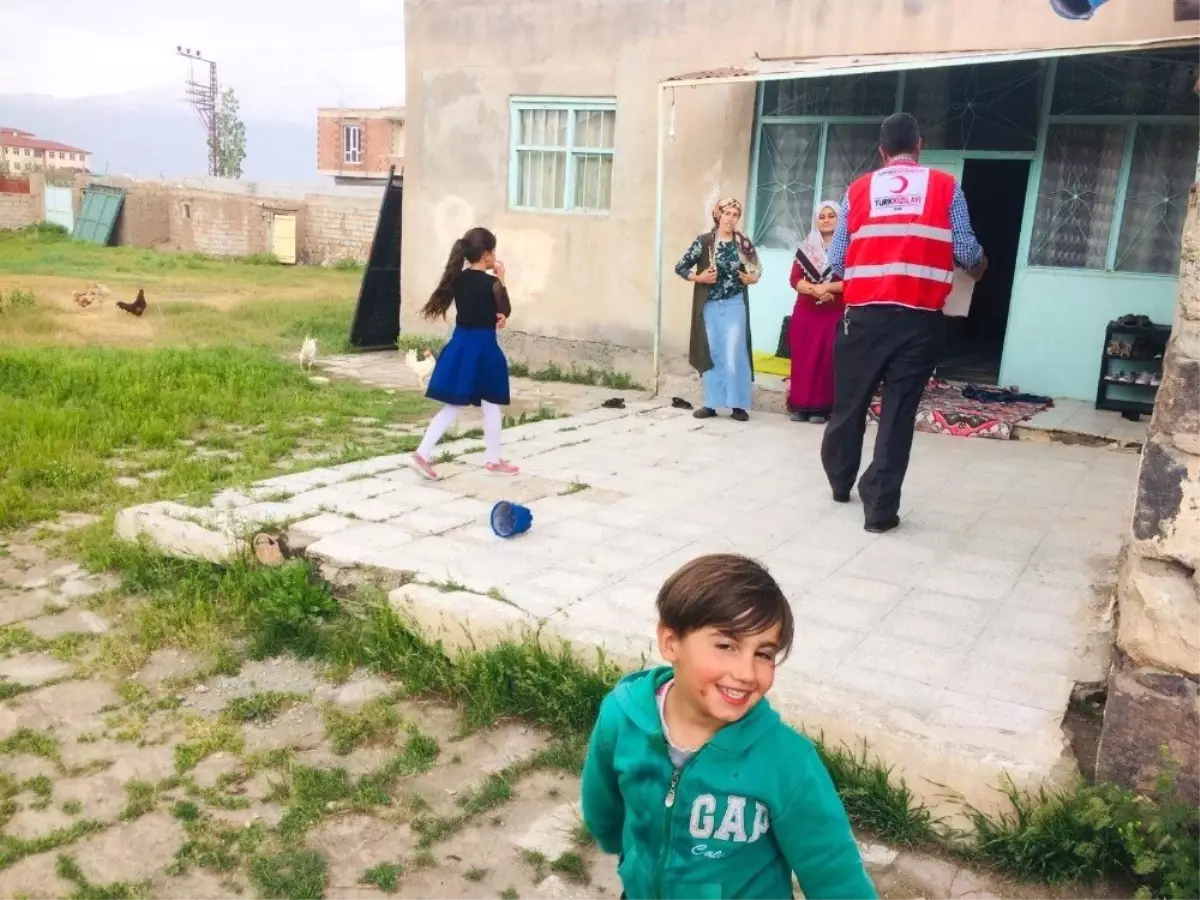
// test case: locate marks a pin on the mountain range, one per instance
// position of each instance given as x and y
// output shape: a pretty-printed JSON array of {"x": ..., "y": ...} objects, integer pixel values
[{"x": 150, "y": 135}]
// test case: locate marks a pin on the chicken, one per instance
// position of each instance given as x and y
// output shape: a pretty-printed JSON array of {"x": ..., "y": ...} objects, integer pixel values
[
  {"x": 421, "y": 366},
  {"x": 94, "y": 294},
  {"x": 137, "y": 307},
  {"x": 308, "y": 353}
]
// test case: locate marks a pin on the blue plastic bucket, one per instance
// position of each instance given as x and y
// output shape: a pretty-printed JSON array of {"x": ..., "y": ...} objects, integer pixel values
[
  {"x": 510, "y": 519},
  {"x": 1076, "y": 9}
]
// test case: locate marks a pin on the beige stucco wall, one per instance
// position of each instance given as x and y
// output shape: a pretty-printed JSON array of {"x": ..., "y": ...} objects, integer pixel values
[{"x": 590, "y": 277}]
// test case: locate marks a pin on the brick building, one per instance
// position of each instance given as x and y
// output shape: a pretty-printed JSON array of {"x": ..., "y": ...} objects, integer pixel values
[
  {"x": 358, "y": 146},
  {"x": 22, "y": 152}
]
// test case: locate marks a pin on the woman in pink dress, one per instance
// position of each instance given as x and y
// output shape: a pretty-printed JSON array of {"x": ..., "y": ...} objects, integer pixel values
[{"x": 815, "y": 321}]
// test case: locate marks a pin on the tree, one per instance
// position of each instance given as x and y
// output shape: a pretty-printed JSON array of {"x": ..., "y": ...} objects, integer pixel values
[{"x": 231, "y": 136}]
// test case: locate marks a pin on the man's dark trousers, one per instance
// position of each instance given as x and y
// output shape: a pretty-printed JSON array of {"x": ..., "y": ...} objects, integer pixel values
[{"x": 901, "y": 346}]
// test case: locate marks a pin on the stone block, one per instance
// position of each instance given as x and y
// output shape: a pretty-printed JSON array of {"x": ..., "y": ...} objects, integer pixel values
[
  {"x": 174, "y": 536},
  {"x": 1166, "y": 517},
  {"x": 1151, "y": 716},
  {"x": 1177, "y": 403},
  {"x": 461, "y": 620},
  {"x": 1160, "y": 616}
]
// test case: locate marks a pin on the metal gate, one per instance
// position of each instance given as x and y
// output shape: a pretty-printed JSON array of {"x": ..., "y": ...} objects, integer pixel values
[{"x": 57, "y": 206}]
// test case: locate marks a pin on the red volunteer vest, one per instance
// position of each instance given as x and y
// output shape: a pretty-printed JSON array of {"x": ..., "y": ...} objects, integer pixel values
[{"x": 901, "y": 249}]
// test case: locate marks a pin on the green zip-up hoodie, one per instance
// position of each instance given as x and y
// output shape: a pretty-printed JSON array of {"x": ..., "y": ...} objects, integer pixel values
[{"x": 751, "y": 807}]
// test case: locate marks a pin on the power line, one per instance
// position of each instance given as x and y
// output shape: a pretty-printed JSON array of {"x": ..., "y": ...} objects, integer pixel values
[{"x": 203, "y": 98}]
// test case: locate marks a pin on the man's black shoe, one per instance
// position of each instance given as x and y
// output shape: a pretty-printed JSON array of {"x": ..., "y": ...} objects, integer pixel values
[
  {"x": 882, "y": 527},
  {"x": 841, "y": 496}
]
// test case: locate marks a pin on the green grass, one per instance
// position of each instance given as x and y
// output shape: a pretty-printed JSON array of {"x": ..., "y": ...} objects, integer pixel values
[
  {"x": 573, "y": 867},
  {"x": 617, "y": 381},
  {"x": 385, "y": 876},
  {"x": 64, "y": 412},
  {"x": 375, "y": 722},
  {"x": 36, "y": 251},
  {"x": 264, "y": 706},
  {"x": 68, "y": 869},
  {"x": 34, "y": 743},
  {"x": 140, "y": 798},
  {"x": 289, "y": 875}
]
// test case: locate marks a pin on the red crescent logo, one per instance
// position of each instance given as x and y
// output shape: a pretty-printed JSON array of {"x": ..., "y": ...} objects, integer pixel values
[{"x": 903, "y": 184}]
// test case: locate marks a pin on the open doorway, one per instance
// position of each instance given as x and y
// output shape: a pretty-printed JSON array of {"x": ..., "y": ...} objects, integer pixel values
[{"x": 995, "y": 192}]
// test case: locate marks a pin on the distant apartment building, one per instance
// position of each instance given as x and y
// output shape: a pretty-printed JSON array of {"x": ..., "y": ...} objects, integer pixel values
[
  {"x": 22, "y": 152},
  {"x": 358, "y": 146}
]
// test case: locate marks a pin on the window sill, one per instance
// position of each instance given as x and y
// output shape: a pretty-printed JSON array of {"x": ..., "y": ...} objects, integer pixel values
[
  {"x": 1095, "y": 273},
  {"x": 558, "y": 213}
]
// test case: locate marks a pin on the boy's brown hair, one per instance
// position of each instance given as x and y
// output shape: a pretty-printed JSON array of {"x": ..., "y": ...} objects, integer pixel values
[{"x": 732, "y": 593}]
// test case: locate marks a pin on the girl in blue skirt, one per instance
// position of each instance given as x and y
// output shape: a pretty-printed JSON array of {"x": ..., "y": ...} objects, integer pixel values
[{"x": 472, "y": 369}]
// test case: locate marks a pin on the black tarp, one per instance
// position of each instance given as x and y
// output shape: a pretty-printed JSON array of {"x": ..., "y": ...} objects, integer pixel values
[{"x": 376, "y": 324}]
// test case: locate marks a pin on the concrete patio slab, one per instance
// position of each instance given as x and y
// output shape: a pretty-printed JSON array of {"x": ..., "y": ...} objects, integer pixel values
[{"x": 950, "y": 645}]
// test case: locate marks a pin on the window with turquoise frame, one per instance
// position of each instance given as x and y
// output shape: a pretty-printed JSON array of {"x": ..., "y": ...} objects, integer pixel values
[
  {"x": 817, "y": 135},
  {"x": 1119, "y": 158},
  {"x": 561, "y": 156}
]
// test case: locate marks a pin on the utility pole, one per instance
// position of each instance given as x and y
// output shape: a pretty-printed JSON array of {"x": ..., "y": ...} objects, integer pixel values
[{"x": 203, "y": 98}]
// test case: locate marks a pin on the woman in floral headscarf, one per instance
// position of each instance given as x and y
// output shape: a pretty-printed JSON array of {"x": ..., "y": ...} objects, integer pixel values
[
  {"x": 815, "y": 319},
  {"x": 722, "y": 264}
]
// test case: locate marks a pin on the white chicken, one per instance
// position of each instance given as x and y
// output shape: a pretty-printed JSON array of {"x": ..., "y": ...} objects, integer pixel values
[
  {"x": 308, "y": 353},
  {"x": 421, "y": 366}
]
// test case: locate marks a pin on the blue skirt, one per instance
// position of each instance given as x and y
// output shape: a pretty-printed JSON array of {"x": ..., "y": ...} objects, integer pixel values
[{"x": 471, "y": 368}]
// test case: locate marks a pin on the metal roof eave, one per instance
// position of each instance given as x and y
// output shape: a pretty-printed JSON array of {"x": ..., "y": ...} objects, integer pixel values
[{"x": 787, "y": 68}]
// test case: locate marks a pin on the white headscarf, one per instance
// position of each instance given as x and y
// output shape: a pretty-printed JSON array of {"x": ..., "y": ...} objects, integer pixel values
[{"x": 813, "y": 247}]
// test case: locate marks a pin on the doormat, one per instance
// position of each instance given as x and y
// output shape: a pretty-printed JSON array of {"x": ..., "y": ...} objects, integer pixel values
[
  {"x": 766, "y": 364},
  {"x": 944, "y": 410}
]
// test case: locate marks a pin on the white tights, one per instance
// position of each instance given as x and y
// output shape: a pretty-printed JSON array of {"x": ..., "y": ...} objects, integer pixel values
[{"x": 493, "y": 421}]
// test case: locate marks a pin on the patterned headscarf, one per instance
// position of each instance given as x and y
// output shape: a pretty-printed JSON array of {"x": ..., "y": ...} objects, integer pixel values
[
  {"x": 746, "y": 252},
  {"x": 813, "y": 246}
]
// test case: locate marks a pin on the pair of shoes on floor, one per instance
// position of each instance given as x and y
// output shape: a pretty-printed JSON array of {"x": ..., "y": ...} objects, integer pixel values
[
  {"x": 707, "y": 412},
  {"x": 614, "y": 403},
  {"x": 426, "y": 470},
  {"x": 814, "y": 420}
]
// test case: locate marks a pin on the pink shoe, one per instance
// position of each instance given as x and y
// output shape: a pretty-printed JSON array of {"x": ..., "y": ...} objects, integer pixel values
[
  {"x": 421, "y": 464},
  {"x": 501, "y": 468}
]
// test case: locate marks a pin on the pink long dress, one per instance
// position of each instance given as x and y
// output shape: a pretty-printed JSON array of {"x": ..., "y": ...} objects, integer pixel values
[{"x": 811, "y": 336}]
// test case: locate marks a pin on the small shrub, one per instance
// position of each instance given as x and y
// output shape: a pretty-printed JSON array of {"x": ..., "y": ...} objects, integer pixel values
[
  {"x": 346, "y": 264},
  {"x": 385, "y": 876},
  {"x": 17, "y": 298},
  {"x": 261, "y": 707},
  {"x": 374, "y": 722},
  {"x": 259, "y": 259}
]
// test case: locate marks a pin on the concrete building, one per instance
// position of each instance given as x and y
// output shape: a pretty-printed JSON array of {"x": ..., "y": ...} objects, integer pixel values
[
  {"x": 1076, "y": 142},
  {"x": 22, "y": 152},
  {"x": 358, "y": 146}
]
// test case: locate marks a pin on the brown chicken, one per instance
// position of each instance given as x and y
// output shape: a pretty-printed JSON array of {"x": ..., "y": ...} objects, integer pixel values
[{"x": 137, "y": 307}]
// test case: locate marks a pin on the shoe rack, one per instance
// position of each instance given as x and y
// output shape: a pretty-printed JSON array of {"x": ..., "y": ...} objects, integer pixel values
[{"x": 1131, "y": 366}]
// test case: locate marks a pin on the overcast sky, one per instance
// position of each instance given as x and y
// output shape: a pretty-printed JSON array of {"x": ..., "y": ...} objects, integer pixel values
[{"x": 283, "y": 57}]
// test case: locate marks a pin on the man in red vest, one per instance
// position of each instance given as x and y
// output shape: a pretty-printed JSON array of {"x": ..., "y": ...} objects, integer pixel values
[{"x": 902, "y": 230}]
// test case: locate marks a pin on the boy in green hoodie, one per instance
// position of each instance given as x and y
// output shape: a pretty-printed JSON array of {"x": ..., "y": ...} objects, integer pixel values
[{"x": 691, "y": 777}]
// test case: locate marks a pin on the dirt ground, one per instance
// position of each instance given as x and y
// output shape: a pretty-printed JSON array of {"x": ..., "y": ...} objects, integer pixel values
[{"x": 276, "y": 779}]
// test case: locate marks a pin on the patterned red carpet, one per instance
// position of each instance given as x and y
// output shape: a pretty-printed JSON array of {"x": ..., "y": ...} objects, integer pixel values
[{"x": 944, "y": 410}]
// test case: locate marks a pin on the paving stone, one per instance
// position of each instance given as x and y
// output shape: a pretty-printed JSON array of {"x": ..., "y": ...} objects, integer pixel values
[
  {"x": 35, "y": 877},
  {"x": 31, "y": 824},
  {"x": 77, "y": 589},
  {"x": 994, "y": 570},
  {"x": 19, "y": 607},
  {"x": 169, "y": 663},
  {"x": 130, "y": 851},
  {"x": 72, "y": 621},
  {"x": 352, "y": 844},
  {"x": 32, "y": 669}
]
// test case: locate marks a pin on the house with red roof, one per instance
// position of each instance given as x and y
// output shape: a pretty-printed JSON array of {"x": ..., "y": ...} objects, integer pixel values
[{"x": 22, "y": 152}]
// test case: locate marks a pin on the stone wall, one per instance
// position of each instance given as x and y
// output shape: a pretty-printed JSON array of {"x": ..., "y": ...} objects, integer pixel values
[
  {"x": 19, "y": 210},
  {"x": 338, "y": 228},
  {"x": 1152, "y": 718},
  {"x": 185, "y": 218}
]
